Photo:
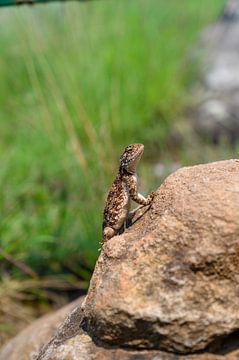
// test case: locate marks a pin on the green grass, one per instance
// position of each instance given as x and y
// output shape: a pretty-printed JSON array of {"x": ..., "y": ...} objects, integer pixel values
[{"x": 79, "y": 81}]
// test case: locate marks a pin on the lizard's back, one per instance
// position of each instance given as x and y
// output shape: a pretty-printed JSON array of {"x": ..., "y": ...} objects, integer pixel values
[{"x": 117, "y": 201}]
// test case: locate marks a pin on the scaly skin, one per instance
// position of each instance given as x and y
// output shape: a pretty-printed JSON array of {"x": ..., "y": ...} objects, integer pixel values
[{"x": 123, "y": 189}]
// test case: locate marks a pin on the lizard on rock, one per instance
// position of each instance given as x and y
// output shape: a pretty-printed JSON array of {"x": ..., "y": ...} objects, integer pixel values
[{"x": 123, "y": 189}]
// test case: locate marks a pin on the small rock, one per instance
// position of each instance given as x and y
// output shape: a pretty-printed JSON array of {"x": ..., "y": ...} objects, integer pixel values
[{"x": 28, "y": 342}]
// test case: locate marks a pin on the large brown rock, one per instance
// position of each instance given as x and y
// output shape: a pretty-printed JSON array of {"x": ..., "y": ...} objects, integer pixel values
[
  {"x": 168, "y": 285},
  {"x": 171, "y": 281}
]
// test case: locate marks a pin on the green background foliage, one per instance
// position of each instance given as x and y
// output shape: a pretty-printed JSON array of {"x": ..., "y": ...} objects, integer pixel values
[{"x": 79, "y": 82}]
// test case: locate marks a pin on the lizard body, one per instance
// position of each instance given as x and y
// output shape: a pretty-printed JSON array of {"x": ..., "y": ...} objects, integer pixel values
[{"x": 123, "y": 189}]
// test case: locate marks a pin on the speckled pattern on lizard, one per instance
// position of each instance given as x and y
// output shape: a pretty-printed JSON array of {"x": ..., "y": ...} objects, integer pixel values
[{"x": 123, "y": 189}]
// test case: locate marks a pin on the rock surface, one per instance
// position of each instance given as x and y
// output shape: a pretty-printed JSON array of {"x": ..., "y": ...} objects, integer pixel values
[
  {"x": 81, "y": 347},
  {"x": 171, "y": 281}
]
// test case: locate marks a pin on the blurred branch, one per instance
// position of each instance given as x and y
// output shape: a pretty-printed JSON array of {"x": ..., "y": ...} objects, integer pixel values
[
  {"x": 17, "y": 263},
  {"x": 28, "y": 2}
]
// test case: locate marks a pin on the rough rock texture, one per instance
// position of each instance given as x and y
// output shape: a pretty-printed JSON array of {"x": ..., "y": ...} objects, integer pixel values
[
  {"x": 168, "y": 285},
  {"x": 70, "y": 342},
  {"x": 171, "y": 281},
  {"x": 29, "y": 341},
  {"x": 81, "y": 347},
  {"x": 217, "y": 115}
]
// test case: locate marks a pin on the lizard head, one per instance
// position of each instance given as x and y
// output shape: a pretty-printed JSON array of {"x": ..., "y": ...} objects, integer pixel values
[{"x": 131, "y": 156}]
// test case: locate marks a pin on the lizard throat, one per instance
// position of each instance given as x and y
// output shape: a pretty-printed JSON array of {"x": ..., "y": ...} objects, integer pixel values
[
  {"x": 131, "y": 168},
  {"x": 125, "y": 171},
  {"x": 130, "y": 172}
]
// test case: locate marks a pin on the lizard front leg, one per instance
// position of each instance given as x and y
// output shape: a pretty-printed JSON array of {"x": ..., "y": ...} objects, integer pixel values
[{"x": 135, "y": 195}]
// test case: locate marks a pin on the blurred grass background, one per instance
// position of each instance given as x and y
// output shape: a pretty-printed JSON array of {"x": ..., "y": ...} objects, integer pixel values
[{"x": 79, "y": 82}]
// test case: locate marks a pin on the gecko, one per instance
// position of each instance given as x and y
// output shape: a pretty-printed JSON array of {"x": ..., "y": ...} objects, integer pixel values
[{"x": 123, "y": 190}]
